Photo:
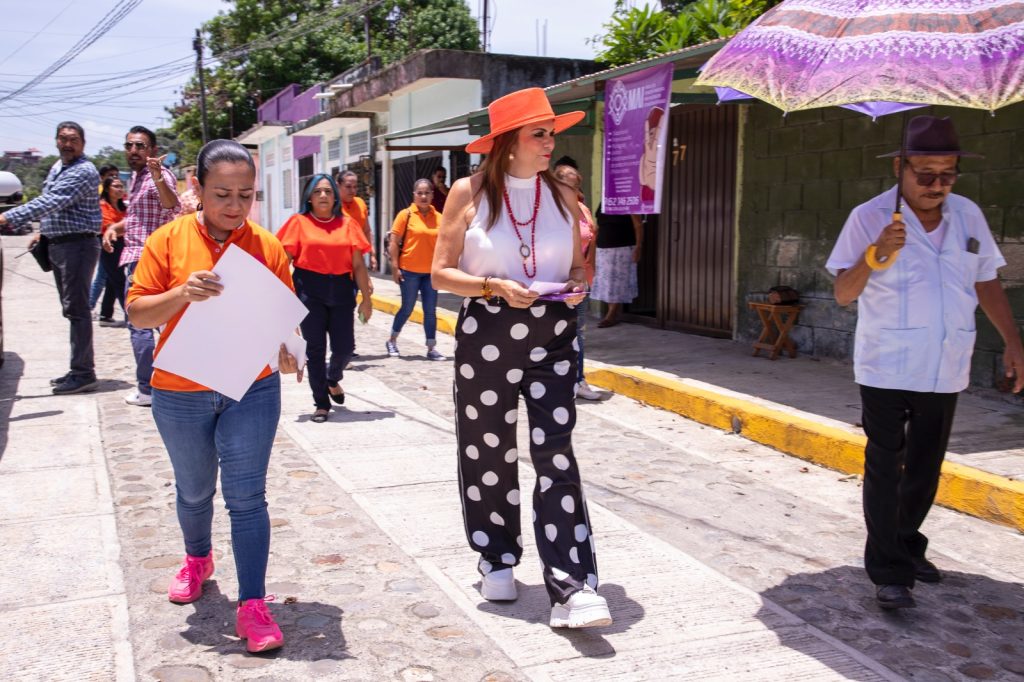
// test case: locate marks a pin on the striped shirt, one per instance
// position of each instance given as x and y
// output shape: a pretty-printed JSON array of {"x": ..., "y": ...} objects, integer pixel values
[
  {"x": 68, "y": 204},
  {"x": 145, "y": 212}
]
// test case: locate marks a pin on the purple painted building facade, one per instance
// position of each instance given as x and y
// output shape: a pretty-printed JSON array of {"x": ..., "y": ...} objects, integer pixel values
[{"x": 290, "y": 106}]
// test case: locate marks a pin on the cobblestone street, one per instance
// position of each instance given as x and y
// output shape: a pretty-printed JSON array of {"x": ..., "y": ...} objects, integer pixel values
[{"x": 720, "y": 558}]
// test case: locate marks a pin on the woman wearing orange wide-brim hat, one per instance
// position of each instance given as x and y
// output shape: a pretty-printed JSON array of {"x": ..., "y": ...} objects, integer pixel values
[{"x": 508, "y": 227}]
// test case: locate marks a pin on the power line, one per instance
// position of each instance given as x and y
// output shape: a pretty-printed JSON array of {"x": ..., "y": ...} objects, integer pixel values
[
  {"x": 36, "y": 34},
  {"x": 153, "y": 78},
  {"x": 309, "y": 24},
  {"x": 122, "y": 9}
]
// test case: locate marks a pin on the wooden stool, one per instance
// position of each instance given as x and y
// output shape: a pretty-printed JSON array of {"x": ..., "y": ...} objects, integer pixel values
[{"x": 776, "y": 321}]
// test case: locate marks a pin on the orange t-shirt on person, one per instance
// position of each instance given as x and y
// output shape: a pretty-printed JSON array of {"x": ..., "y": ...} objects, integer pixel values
[
  {"x": 323, "y": 247},
  {"x": 417, "y": 233},
  {"x": 356, "y": 210},
  {"x": 110, "y": 215},
  {"x": 182, "y": 247}
]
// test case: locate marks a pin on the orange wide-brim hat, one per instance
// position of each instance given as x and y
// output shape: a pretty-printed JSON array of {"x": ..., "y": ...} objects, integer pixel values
[{"x": 518, "y": 109}]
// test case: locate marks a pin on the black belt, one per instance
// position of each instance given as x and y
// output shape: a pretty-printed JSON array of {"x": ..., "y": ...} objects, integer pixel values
[{"x": 77, "y": 236}]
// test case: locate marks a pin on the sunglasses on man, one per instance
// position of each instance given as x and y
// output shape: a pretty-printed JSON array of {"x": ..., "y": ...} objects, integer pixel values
[
  {"x": 928, "y": 179},
  {"x": 128, "y": 146}
]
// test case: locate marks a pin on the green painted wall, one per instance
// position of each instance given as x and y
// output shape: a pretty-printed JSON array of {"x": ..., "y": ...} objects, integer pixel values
[{"x": 802, "y": 174}]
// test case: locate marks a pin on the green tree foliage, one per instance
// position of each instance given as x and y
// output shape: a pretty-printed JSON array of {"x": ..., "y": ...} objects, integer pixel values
[
  {"x": 305, "y": 42},
  {"x": 639, "y": 33}
]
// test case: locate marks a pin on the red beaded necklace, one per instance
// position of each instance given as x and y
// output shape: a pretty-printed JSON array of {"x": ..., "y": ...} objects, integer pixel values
[{"x": 527, "y": 252}]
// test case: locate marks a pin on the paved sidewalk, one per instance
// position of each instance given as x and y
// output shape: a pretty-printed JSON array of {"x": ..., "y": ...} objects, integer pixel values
[
  {"x": 722, "y": 559},
  {"x": 803, "y": 406}
]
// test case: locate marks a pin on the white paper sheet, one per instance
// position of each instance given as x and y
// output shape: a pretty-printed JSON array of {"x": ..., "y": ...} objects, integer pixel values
[
  {"x": 224, "y": 342},
  {"x": 545, "y": 288},
  {"x": 296, "y": 345}
]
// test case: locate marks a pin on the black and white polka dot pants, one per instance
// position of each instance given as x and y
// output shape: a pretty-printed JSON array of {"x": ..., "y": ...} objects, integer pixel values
[{"x": 501, "y": 352}]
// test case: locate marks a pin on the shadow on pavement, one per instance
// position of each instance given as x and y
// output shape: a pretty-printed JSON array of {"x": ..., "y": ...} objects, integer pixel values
[
  {"x": 533, "y": 606},
  {"x": 10, "y": 374},
  {"x": 104, "y": 386},
  {"x": 312, "y": 631},
  {"x": 342, "y": 416},
  {"x": 36, "y": 415},
  {"x": 967, "y": 626}
]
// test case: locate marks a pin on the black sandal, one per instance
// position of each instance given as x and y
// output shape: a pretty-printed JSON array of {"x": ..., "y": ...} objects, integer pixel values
[
  {"x": 320, "y": 416},
  {"x": 338, "y": 398}
]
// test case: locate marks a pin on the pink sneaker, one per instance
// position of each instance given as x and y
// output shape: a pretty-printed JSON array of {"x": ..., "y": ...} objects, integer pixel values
[
  {"x": 187, "y": 585},
  {"x": 255, "y": 623}
]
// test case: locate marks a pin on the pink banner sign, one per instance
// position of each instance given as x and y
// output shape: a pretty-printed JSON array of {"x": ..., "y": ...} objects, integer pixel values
[{"x": 635, "y": 129}]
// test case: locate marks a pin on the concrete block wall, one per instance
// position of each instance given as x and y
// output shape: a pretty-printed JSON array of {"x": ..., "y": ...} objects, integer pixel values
[{"x": 803, "y": 173}]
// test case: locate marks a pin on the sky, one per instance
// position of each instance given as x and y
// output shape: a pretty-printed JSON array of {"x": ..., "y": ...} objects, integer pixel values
[{"x": 158, "y": 32}]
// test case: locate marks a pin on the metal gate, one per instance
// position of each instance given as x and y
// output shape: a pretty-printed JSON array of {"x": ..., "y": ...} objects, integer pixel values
[{"x": 696, "y": 235}]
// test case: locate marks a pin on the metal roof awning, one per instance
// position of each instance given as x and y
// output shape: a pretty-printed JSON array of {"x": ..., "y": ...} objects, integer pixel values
[
  {"x": 327, "y": 123},
  {"x": 579, "y": 95},
  {"x": 585, "y": 86},
  {"x": 262, "y": 132}
]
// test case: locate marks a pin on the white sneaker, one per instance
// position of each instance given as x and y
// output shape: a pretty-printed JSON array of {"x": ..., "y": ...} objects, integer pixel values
[
  {"x": 499, "y": 586},
  {"x": 583, "y": 390},
  {"x": 139, "y": 399},
  {"x": 584, "y": 609}
]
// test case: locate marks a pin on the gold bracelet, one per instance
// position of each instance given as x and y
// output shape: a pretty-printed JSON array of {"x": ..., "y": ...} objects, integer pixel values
[
  {"x": 485, "y": 289},
  {"x": 872, "y": 260}
]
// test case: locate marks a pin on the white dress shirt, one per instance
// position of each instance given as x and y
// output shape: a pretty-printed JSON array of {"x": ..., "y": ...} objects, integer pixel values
[{"x": 915, "y": 322}]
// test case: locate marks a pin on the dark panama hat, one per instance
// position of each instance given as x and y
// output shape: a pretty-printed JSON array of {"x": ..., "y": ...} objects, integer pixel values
[{"x": 931, "y": 136}]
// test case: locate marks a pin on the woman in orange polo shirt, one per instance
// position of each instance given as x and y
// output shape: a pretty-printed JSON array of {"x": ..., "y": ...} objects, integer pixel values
[
  {"x": 413, "y": 237},
  {"x": 113, "y": 209},
  {"x": 327, "y": 250},
  {"x": 202, "y": 428}
]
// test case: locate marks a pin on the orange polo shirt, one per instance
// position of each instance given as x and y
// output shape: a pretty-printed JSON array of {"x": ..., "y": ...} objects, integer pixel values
[
  {"x": 327, "y": 248},
  {"x": 110, "y": 214},
  {"x": 178, "y": 249},
  {"x": 356, "y": 210},
  {"x": 417, "y": 234}
]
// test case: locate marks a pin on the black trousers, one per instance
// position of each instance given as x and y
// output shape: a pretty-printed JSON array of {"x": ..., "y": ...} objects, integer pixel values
[
  {"x": 74, "y": 263},
  {"x": 503, "y": 352},
  {"x": 907, "y": 437},
  {"x": 110, "y": 262},
  {"x": 330, "y": 322}
]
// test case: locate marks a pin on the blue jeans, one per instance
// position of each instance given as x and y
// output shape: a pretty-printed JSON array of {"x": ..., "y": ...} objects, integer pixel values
[
  {"x": 581, "y": 324},
  {"x": 413, "y": 283},
  {"x": 142, "y": 342},
  {"x": 203, "y": 428},
  {"x": 99, "y": 282}
]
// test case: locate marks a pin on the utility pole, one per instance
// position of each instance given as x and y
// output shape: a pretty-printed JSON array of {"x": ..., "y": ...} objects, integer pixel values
[
  {"x": 197, "y": 45},
  {"x": 484, "y": 30},
  {"x": 366, "y": 31}
]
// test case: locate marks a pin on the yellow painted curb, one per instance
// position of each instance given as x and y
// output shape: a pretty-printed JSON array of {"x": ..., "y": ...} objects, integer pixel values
[
  {"x": 389, "y": 304},
  {"x": 963, "y": 488}
]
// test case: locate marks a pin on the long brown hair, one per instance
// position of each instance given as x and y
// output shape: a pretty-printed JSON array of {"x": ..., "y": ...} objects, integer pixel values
[{"x": 495, "y": 167}]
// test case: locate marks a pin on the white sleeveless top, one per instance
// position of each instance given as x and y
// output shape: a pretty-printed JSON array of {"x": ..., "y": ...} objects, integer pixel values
[{"x": 495, "y": 252}]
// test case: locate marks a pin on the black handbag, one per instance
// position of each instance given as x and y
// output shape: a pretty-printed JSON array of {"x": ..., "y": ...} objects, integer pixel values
[{"x": 41, "y": 252}]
